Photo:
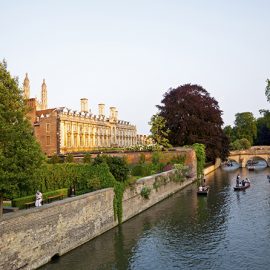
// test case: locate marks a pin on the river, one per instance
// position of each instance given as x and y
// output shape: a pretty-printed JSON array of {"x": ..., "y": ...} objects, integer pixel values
[{"x": 226, "y": 230}]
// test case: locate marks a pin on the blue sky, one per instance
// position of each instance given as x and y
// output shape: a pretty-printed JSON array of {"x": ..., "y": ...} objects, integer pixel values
[{"x": 129, "y": 53}]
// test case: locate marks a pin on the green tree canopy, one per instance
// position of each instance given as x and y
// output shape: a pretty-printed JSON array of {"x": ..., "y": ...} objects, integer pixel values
[
  {"x": 240, "y": 144},
  {"x": 20, "y": 154},
  {"x": 245, "y": 126},
  {"x": 193, "y": 116},
  {"x": 159, "y": 132},
  {"x": 263, "y": 128},
  {"x": 230, "y": 133}
]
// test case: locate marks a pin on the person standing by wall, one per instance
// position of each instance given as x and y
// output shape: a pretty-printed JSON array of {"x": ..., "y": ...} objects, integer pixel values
[{"x": 38, "y": 199}]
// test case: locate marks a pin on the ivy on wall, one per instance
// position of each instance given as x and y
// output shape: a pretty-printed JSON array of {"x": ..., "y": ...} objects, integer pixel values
[
  {"x": 119, "y": 188},
  {"x": 200, "y": 155}
]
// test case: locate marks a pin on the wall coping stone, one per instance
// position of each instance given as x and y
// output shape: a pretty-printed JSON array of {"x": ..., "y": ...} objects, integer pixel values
[{"x": 67, "y": 200}]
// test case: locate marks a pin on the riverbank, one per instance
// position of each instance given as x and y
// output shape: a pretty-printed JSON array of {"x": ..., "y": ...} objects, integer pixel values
[
  {"x": 172, "y": 234},
  {"x": 31, "y": 238}
]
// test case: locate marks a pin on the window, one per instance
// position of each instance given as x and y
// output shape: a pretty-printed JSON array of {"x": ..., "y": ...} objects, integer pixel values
[
  {"x": 48, "y": 126},
  {"x": 48, "y": 140}
]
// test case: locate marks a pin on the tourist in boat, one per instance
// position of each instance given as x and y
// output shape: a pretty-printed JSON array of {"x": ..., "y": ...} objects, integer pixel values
[
  {"x": 203, "y": 184},
  {"x": 247, "y": 180},
  {"x": 200, "y": 188},
  {"x": 243, "y": 182}
]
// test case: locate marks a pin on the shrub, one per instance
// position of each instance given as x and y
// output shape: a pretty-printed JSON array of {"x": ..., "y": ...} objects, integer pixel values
[
  {"x": 99, "y": 159},
  {"x": 117, "y": 165},
  {"x": 119, "y": 168},
  {"x": 69, "y": 158},
  {"x": 141, "y": 170},
  {"x": 157, "y": 168},
  {"x": 178, "y": 159},
  {"x": 142, "y": 158},
  {"x": 155, "y": 158},
  {"x": 100, "y": 177},
  {"x": 87, "y": 158},
  {"x": 145, "y": 192},
  {"x": 168, "y": 167},
  {"x": 54, "y": 159}
]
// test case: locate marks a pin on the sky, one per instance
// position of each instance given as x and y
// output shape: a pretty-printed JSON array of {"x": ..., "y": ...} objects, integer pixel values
[{"x": 127, "y": 54}]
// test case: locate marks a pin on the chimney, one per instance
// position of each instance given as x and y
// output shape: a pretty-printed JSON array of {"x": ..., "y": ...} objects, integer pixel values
[
  {"x": 112, "y": 113},
  {"x": 101, "y": 109},
  {"x": 116, "y": 115},
  {"x": 84, "y": 105}
]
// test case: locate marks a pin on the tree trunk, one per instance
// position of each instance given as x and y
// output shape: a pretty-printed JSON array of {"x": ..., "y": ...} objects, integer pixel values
[{"x": 1, "y": 205}]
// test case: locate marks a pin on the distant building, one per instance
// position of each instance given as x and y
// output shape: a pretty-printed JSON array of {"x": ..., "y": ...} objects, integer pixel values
[{"x": 62, "y": 130}]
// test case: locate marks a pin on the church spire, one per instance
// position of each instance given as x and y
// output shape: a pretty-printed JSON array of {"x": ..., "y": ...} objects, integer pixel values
[
  {"x": 26, "y": 87},
  {"x": 43, "y": 95}
]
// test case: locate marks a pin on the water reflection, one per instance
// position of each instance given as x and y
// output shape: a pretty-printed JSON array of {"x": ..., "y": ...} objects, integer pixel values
[{"x": 226, "y": 230}]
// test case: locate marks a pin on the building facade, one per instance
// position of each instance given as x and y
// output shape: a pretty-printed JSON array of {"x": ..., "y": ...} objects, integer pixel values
[{"x": 62, "y": 130}]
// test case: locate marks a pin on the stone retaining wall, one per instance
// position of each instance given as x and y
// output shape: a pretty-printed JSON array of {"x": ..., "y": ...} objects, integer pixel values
[
  {"x": 30, "y": 238},
  {"x": 213, "y": 167}
]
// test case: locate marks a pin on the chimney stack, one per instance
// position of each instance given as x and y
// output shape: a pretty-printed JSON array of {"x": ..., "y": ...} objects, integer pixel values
[
  {"x": 101, "y": 109},
  {"x": 112, "y": 113},
  {"x": 84, "y": 105}
]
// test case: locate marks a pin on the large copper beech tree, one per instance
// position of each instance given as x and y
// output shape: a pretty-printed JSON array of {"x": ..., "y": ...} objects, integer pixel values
[{"x": 193, "y": 116}]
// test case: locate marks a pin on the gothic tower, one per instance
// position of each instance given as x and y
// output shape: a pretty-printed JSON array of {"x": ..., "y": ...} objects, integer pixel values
[
  {"x": 26, "y": 87},
  {"x": 43, "y": 96}
]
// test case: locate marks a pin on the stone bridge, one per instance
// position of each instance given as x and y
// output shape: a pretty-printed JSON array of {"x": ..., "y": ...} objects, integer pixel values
[{"x": 258, "y": 152}]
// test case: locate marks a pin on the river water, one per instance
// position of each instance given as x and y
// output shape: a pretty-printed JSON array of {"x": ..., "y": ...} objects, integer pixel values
[{"x": 226, "y": 230}]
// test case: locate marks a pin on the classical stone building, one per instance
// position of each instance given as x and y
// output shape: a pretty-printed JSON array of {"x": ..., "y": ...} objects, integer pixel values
[{"x": 62, "y": 130}]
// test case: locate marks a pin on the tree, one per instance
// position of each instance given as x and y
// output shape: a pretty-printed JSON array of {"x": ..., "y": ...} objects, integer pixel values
[
  {"x": 240, "y": 144},
  {"x": 263, "y": 128},
  {"x": 159, "y": 132},
  {"x": 194, "y": 117},
  {"x": 245, "y": 126},
  {"x": 267, "y": 90},
  {"x": 20, "y": 154},
  {"x": 230, "y": 133}
]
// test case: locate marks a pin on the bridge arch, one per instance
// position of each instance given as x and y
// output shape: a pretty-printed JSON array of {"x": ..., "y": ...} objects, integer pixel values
[{"x": 243, "y": 156}]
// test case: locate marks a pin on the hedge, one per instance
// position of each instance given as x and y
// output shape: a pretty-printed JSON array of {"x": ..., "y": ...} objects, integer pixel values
[{"x": 83, "y": 176}]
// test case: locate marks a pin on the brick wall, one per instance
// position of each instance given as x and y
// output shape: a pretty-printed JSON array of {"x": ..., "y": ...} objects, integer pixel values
[
  {"x": 46, "y": 134},
  {"x": 165, "y": 156}
]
